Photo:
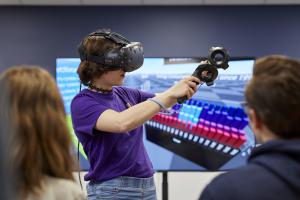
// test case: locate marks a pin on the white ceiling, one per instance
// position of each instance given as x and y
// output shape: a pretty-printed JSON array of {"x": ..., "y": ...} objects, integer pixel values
[{"x": 148, "y": 2}]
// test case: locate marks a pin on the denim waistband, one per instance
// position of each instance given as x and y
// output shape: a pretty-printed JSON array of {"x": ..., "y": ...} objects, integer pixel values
[{"x": 126, "y": 181}]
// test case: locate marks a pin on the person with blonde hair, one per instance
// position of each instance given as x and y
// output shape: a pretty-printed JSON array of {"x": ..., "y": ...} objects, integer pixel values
[{"x": 39, "y": 141}]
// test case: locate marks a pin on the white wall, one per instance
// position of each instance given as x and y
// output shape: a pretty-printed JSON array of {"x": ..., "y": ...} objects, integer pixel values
[{"x": 182, "y": 185}]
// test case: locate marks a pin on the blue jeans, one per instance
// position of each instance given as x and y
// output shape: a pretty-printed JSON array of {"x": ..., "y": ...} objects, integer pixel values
[{"x": 123, "y": 187}]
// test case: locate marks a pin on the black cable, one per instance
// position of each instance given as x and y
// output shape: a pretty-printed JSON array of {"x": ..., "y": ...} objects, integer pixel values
[{"x": 79, "y": 165}]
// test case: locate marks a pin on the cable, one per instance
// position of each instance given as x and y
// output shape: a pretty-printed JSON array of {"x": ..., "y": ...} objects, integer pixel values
[{"x": 79, "y": 165}]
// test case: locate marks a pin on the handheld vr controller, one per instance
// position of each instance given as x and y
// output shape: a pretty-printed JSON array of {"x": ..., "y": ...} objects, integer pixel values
[{"x": 207, "y": 70}]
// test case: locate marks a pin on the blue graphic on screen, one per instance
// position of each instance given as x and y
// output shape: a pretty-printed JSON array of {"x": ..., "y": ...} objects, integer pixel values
[
  {"x": 210, "y": 131},
  {"x": 67, "y": 79}
]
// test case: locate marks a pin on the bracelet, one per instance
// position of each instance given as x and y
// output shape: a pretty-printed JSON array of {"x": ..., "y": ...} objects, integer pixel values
[{"x": 158, "y": 103}]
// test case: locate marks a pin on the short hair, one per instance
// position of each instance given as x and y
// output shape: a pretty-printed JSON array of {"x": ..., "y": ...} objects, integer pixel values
[
  {"x": 40, "y": 142},
  {"x": 96, "y": 46},
  {"x": 273, "y": 93}
]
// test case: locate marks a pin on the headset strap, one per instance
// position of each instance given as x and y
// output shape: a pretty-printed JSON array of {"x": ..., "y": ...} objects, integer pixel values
[{"x": 115, "y": 37}]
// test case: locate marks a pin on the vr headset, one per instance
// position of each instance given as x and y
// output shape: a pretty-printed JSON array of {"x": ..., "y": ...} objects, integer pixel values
[{"x": 129, "y": 56}]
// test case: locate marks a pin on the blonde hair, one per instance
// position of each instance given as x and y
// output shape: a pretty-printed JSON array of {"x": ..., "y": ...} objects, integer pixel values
[{"x": 41, "y": 142}]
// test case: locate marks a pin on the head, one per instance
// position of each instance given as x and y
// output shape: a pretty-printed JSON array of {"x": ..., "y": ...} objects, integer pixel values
[
  {"x": 273, "y": 98},
  {"x": 106, "y": 56},
  {"x": 40, "y": 141},
  {"x": 89, "y": 71}
]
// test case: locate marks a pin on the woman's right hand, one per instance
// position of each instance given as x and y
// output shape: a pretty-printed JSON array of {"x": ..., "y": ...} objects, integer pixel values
[{"x": 185, "y": 87}]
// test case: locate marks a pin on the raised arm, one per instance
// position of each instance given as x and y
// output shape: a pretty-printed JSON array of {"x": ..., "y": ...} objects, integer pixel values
[{"x": 120, "y": 122}]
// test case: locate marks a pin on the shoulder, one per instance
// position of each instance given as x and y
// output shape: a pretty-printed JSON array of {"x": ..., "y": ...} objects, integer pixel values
[
  {"x": 234, "y": 184},
  {"x": 59, "y": 188},
  {"x": 82, "y": 96},
  {"x": 122, "y": 89},
  {"x": 127, "y": 92},
  {"x": 86, "y": 100},
  {"x": 57, "y": 182},
  {"x": 133, "y": 93}
]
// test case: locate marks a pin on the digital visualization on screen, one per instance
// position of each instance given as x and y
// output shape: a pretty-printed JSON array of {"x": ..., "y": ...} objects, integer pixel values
[{"x": 208, "y": 132}]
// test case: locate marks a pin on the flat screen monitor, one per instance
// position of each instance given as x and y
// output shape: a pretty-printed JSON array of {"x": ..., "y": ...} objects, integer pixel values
[{"x": 208, "y": 132}]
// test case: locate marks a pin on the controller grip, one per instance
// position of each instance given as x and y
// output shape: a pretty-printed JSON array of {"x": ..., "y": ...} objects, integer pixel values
[
  {"x": 181, "y": 99},
  {"x": 184, "y": 98}
]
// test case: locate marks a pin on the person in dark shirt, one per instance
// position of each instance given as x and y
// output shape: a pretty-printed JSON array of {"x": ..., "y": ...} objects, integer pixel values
[{"x": 273, "y": 107}]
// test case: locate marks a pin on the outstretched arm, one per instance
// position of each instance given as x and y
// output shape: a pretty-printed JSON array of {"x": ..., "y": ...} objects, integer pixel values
[{"x": 120, "y": 122}]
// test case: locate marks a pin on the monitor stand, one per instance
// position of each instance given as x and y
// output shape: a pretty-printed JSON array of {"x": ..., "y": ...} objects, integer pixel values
[{"x": 165, "y": 195}]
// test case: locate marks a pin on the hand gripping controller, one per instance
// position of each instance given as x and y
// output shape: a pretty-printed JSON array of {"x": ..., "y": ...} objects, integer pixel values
[{"x": 207, "y": 70}]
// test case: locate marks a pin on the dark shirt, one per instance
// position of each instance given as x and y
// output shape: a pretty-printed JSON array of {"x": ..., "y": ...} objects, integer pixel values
[{"x": 272, "y": 173}]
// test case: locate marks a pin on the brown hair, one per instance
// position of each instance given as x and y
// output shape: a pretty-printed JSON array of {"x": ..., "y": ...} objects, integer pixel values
[
  {"x": 96, "y": 46},
  {"x": 274, "y": 94},
  {"x": 41, "y": 143}
]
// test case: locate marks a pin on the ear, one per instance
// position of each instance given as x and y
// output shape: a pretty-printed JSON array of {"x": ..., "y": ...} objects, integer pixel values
[{"x": 255, "y": 121}]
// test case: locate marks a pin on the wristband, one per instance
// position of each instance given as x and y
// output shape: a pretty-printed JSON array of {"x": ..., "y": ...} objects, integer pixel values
[{"x": 162, "y": 106}]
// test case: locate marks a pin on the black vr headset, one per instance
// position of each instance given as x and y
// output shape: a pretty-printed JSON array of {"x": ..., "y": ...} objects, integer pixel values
[{"x": 129, "y": 56}]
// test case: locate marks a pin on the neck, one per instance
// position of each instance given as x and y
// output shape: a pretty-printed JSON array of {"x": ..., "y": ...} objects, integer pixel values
[
  {"x": 266, "y": 135},
  {"x": 100, "y": 83},
  {"x": 99, "y": 89}
]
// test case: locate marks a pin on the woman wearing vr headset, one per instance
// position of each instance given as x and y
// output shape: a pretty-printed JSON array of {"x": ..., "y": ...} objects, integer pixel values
[{"x": 108, "y": 118}]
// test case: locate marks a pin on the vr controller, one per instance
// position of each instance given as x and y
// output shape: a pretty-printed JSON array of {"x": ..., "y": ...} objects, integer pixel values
[{"x": 207, "y": 70}]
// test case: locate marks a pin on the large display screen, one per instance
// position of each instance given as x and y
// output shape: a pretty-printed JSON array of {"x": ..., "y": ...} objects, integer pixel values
[{"x": 208, "y": 132}]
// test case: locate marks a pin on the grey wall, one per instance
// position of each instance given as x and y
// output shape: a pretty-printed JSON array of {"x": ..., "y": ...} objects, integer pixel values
[{"x": 38, "y": 35}]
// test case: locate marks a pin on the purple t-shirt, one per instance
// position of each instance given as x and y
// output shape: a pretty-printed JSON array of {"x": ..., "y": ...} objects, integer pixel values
[{"x": 110, "y": 154}]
